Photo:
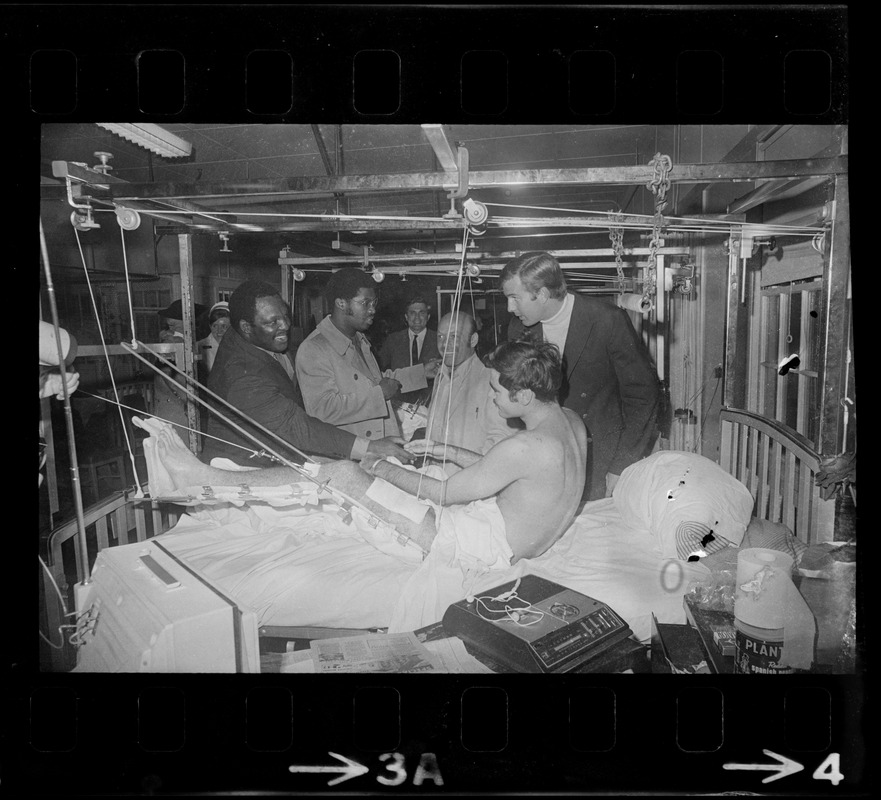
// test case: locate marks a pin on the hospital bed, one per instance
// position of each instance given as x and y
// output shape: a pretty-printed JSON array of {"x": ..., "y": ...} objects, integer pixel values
[{"x": 306, "y": 576}]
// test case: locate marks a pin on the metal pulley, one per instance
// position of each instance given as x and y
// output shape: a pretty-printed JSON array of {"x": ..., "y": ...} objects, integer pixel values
[
  {"x": 127, "y": 218},
  {"x": 298, "y": 274},
  {"x": 475, "y": 212},
  {"x": 476, "y": 215}
]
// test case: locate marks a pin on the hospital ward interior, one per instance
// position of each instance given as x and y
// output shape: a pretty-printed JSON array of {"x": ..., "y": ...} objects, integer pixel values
[{"x": 713, "y": 258}]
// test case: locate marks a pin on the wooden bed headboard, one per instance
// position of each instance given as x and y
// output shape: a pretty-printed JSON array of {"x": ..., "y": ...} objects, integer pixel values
[{"x": 778, "y": 466}]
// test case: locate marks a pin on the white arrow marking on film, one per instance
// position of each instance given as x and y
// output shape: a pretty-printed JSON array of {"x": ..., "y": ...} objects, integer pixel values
[
  {"x": 786, "y": 767},
  {"x": 350, "y": 769}
]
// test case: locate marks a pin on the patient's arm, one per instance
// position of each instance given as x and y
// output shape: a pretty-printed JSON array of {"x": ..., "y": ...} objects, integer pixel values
[
  {"x": 348, "y": 478},
  {"x": 443, "y": 452},
  {"x": 506, "y": 463}
]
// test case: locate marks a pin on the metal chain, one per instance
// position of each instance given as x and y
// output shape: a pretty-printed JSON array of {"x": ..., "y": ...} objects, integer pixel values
[
  {"x": 616, "y": 235},
  {"x": 659, "y": 185}
]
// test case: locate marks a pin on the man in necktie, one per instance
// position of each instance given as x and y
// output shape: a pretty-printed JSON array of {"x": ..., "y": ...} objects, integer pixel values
[
  {"x": 341, "y": 381},
  {"x": 415, "y": 344}
]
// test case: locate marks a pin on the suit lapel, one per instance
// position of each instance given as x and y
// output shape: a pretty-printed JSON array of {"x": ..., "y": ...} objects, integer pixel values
[{"x": 580, "y": 327}]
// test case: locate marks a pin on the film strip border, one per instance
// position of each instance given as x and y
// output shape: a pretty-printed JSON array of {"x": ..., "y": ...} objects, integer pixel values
[
  {"x": 201, "y": 734},
  {"x": 698, "y": 64}
]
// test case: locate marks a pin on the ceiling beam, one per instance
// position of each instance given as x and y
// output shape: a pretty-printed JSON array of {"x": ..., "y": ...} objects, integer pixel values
[
  {"x": 477, "y": 256},
  {"x": 320, "y": 225},
  {"x": 482, "y": 179},
  {"x": 443, "y": 150},
  {"x": 99, "y": 183},
  {"x": 765, "y": 192},
  {"x": 322, "y": 150},
  {"x": 743, "y": 151}
]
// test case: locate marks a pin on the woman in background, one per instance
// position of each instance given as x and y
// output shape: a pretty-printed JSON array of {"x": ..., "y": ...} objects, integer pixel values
[{"x": 218, "y": 319}]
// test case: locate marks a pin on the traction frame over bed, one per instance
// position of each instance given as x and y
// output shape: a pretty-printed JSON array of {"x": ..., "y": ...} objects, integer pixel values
[{"x": 777, "y": 465}]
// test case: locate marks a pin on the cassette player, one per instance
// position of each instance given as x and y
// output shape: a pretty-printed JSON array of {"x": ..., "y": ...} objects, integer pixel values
[{"x": 535, "y": 625}]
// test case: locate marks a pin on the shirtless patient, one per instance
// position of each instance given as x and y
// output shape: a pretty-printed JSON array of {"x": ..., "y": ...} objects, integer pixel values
[{"x": 536, "y": 475}]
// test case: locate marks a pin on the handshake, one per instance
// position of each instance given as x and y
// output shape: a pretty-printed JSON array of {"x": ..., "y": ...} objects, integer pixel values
[{"x": 426, "y": 447}]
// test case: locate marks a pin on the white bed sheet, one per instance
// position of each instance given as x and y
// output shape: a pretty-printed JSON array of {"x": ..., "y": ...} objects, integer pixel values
[
  {"x": 306, "y": 567},
  {"x": 294, "y": 566},
  {"x": 605, "y": 559}
]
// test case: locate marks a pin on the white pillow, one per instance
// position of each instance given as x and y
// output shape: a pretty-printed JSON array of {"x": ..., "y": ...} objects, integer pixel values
[{"x": 681, "y": 498}]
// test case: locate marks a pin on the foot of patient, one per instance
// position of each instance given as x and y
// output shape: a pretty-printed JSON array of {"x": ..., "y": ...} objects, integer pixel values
[{"x": 182, "y": 466}]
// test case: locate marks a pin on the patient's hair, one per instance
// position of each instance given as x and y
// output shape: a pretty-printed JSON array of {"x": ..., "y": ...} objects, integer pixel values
[
  {"x": 345, "y": 284},
  {"x": 243, "y": 303},
  {"x": 527, "y": 365},
  {"x": 536, "y": 270}
]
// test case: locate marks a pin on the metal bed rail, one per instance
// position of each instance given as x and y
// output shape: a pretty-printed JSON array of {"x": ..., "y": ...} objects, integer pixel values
[{"x": 118, "y": 519}]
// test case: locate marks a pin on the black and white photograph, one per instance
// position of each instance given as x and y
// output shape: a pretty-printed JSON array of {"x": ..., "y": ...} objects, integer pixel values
[
  {"x": 437, "y": 397},
  {"x": 628, "y": 437}
]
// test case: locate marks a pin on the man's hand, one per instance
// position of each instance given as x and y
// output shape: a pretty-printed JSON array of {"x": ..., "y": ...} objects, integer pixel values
[
  {"x": 426, "y": 447},
  {"x": 432, "y": 368},
  {"x": 390, "y": 387},
  {"x": 439, "y": 451},
  {"x": 368, "y": 461},
  {"x": 54, "y": 386},
  {"x": 387, "y": 448}
]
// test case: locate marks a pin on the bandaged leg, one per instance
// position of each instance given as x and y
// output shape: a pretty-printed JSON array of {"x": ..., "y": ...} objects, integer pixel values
[
  {"x": 173, "y": 471},
  {"x": 349, "y": 478}
]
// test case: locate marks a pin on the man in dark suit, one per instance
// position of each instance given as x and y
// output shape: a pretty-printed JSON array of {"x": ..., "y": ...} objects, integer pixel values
[
  {"x": 253, "y": 372},
  {"x": 608, "y": 377},
  {"x": 415, "y": 344}
]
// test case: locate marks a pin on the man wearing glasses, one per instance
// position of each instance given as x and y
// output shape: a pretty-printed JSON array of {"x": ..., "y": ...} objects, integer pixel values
[
  {"x": 253, "y": 372},
  {"x": 339, "y": 376}
]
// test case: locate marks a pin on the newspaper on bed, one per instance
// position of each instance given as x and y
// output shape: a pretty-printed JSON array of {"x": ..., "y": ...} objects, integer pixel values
[
  {"x": 386, "y": 653},
  {"x": 396, "y": 652},
  {"x": 454, "y": 657}
]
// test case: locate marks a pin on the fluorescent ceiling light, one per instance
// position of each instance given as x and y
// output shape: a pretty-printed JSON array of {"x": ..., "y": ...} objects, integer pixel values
[{"x": 153, "y": 137}]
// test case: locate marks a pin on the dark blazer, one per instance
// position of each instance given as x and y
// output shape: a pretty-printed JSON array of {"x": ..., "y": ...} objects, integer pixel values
[
  {"x": 395, "y": 350},
  {"x": 254, "y": 382},
  {"x": 609, "y": 379},
  {"x": 395, "y": 353}
]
